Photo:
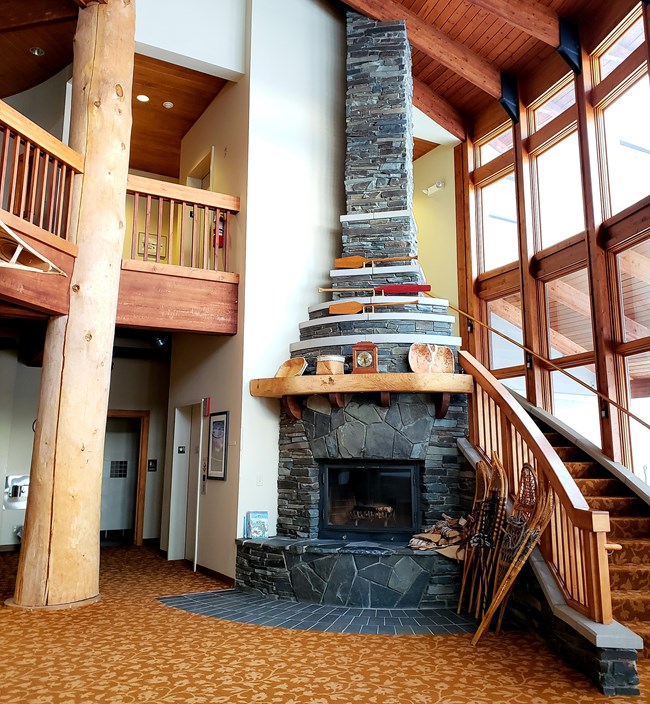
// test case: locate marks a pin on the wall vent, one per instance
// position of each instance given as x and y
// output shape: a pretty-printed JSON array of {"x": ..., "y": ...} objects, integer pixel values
[{"x": 119, "y": 469}]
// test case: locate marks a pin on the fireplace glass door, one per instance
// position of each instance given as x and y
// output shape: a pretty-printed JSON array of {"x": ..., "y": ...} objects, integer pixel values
[{"x": 369, "y": 500}]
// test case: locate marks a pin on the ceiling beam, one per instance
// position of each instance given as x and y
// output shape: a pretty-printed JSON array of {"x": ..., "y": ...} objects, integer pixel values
[
  {"x": 84, "y": 3},
  {"x": 435, "y": 44},
  {"x": 528, "y": 15},
  {"x": 438, "y": 109},
  {"x": 22, "y": 15}
]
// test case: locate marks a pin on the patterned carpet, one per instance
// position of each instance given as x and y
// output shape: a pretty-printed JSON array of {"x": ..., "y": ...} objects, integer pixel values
[{"x": 131, "y": 648}]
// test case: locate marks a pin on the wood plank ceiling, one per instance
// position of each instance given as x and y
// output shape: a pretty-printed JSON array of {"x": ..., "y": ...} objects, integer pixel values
[
  {"x": 157, "y": 132},
  {"x": 460, "y": 47}
]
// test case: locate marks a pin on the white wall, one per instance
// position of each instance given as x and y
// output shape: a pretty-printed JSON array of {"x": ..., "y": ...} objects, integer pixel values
[
  {"x": 205, "y": 35},
  {"x": 19, "y": 387},
  {"x": 279, "y": 137},
  {"x": 435, "y": 216},
  {"x": 135, "y": 385},
  {"x": 45, "y": 103}
]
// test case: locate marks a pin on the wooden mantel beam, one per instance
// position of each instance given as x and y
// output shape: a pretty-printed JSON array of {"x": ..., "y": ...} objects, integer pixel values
[
  {"x": 434, "y": 43},
  {"x": 528, "y": 15},
  {"x": 439, "y": 110}
]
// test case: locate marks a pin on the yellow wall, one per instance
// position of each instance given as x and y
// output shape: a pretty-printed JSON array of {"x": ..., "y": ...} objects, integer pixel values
[{"x": 435, "y": 216}]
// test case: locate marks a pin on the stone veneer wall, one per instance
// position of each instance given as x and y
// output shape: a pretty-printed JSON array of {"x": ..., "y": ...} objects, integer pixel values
[
  {"x": 408, "y": 430},
  {"x": 379, "y": 156}
]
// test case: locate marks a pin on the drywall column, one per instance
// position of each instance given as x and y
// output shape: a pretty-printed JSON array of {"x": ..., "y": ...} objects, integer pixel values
[{"x": 59, "y": 563}]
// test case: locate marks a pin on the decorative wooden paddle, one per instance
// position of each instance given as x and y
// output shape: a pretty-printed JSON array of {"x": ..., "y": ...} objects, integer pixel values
[
  {"x": 352, "y": 307},
  {"x": 386, "y": 289},
  {"x": 357, "y": 261}
]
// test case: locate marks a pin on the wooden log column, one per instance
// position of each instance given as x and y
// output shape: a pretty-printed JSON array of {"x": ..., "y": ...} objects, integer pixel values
[{"x": 59, "y": 562}]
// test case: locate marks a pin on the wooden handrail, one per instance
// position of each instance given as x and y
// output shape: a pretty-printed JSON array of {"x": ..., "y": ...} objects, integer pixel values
[
  {"x": 574, "y": 545},
  {"x": 31, "y": 131},
  {"x": 549, "y": 363},
  {"x": 551, "y": 465},
  {"x": 173, "y": 191}
]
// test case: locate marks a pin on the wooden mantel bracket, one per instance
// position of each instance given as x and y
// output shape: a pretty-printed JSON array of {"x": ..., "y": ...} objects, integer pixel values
[
  {"x": 441, "y": 402},
  {"x": 385, "y": 399},
  {"x": 292, "y": 406},
  {"x": 337, "y": 400}
]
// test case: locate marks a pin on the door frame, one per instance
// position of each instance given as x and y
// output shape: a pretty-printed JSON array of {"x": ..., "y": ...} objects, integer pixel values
[{"x": 143, "y": 451}]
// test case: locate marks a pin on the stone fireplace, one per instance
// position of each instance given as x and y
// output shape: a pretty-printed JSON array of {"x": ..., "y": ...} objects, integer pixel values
[{"x": 358, "y": 476}]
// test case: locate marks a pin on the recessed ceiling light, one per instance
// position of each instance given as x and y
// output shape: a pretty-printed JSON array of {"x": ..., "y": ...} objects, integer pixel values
[
  {"x": 142, "y": 98},
  {"x": 168, "y": 104},
  {"x": 37, "y": 51}
]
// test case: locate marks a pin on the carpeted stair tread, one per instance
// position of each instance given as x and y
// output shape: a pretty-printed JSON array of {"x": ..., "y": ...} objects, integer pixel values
[
  {"x": 571, "y": 453},
  {"x": 631, "y": 605},
  {"x": 587, "y": 470},
  {"x": 599, "y": 487},
  {"x": 634, "y": 551},
  {"x": 618, "y": 505},
  {"x": 629, "y": 527},
  {"x": 630, "y": 577},
  {"x": 556, "y": 439}
]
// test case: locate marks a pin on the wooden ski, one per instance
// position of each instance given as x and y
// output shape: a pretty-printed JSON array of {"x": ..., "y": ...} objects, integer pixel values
[
  {"x": 357, "y": 261},
  {"x": 352, "y": 307}
]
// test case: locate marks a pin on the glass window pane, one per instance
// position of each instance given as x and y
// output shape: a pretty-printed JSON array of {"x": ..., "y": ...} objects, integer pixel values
[
  {"x": 504, "y": 315},
  {"x": 627, "y": 139},
  {"x": 560, "y": 191},
  {"x": 499, "y": 223},
  {"x": 621, "y": 49},
  {"x": 575, "y": 405},
  {"x": 569, "y": 315},
  {"x": 517, "y": 384},
  {"x": 554, "y": 106},
  {"x": 638, "y": 379},
  {"x": 634, "y": 282},
  {"x": 495, "y": 147}
]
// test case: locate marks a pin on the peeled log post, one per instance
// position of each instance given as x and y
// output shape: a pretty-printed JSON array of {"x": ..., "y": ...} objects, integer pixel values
[{"x": 59, "y": 562}]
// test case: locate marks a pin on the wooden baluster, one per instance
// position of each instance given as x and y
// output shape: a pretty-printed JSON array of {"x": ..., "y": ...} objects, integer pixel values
[
  {"x": 58, "y": 226},
  {"x": 147, "y": 229},
  {"x": 206, "y": 238},
  {"x": 215, "y": 244},
  {"x": 159, "y": 232},
  {"x": 33, "y": 185},
  {"x": 171, "y": 240},
  {"x": 193, "y": 264},
  {"x": 51, "y": 209},
  {"x": 225, "y": 245},
  {"x": 4, "y": 156},
  {"x": 599, "y": 601},
  {"x": 13, "y": 182},
  {"x": 46, "y": 176},
  {"x": 70, "y": 176},
  {"x": 24, "y": 186},
  {"x": 181, "y": 257},
  {"x": 134, "y": 225}
]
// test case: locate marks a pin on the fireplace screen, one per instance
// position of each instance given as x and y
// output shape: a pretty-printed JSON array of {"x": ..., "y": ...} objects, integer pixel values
[{"x": 376, "y": 500}]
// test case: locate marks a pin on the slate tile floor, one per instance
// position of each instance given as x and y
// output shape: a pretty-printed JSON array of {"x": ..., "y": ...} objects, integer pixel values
[{"x": 234, "y": 605}]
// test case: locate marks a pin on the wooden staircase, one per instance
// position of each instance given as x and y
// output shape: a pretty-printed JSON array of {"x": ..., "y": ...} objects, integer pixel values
[{"x": 630, "y": 527}]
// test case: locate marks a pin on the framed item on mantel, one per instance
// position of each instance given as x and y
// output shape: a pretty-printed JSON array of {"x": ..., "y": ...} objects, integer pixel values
[{"x": 218, "y": 447}]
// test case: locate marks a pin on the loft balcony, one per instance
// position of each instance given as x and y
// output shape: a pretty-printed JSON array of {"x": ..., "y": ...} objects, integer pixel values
[{"x": 175, "y": 265}]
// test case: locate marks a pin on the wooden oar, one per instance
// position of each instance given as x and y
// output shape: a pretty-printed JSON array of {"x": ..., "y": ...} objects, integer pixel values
[
  {"x": 357, "y": 261},
  {"x": 386, "y": 289},
  {"x": 352, "y": 307}
]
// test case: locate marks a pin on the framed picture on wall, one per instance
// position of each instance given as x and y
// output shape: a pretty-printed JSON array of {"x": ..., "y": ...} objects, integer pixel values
[
  {"x": 218, "y": 445},
  {"x": 152, "y": 240}
]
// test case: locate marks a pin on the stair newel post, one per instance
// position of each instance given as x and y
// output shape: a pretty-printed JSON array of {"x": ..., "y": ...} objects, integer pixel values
[
  {"x": 597, "y": 569},
  {"x": 59, "y": 563}
]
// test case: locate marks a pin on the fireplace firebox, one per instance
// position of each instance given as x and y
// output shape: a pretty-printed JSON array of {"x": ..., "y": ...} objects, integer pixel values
[{"x": 369, "y": 500}]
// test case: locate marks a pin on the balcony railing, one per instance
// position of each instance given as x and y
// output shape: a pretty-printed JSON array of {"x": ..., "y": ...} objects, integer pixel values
[
  {"x": 574, "y": 544},
  {"x": 178, "y": 225},
  {"x": 36, "y": 173}
]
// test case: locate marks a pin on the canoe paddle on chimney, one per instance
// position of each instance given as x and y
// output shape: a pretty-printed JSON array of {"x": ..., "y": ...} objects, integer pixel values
[
  {"x": 352, "y": 307},
  {"x": 358, "y": 262},
  {"x": 386, "y": 289}
]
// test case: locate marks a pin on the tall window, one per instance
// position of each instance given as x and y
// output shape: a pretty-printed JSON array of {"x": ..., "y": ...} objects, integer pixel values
[
  {"x": 553, "y": 106},
  {"x": 499, "y": 223},
  {"x": 627, "y": 139},
  {"x": 494, "y": 147},
  {"x": 620, "y": 49},
  {"x": 569, "y": 315},
  {"x": 559, "y": 182},
  {"x": 504, "y": 315}
]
